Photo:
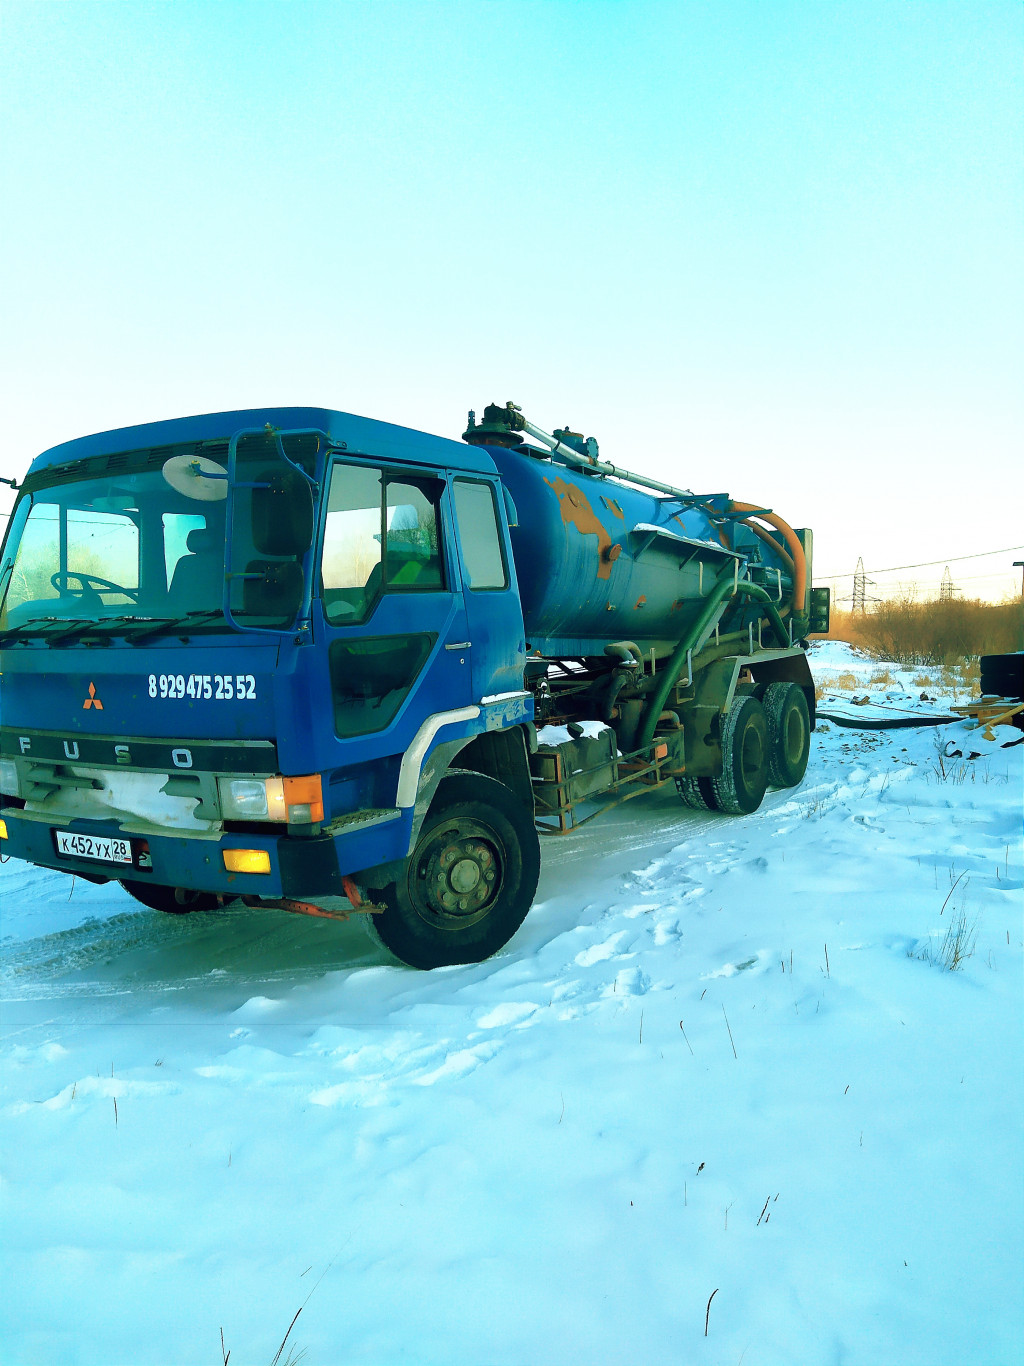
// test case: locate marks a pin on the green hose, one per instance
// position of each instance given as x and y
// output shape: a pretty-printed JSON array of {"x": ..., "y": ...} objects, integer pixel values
[{"x": 724, "y": 588}]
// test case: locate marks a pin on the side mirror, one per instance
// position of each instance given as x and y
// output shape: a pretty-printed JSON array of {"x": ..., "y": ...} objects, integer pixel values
[
  {"x": 273, "y": 589},
  {"x": 282, "y": 514}
]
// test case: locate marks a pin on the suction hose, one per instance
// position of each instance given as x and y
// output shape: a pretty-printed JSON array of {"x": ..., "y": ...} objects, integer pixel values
[
  {"x": 724, "y": 588},
  {"x": 796, "y": 550}
]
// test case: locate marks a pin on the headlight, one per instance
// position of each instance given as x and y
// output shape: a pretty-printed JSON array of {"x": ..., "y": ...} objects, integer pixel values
[
  {"x": 244, "y": 799},
  {"x": 298, "y": 800},
  {"x": 8, "y": 777}
]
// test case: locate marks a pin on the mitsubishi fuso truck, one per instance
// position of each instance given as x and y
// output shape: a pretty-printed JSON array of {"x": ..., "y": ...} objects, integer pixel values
[{"x": 289, "y": 656}]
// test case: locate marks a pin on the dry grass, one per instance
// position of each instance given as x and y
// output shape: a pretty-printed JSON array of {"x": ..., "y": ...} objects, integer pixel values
[
  {"x": 963, "y": 678},
  {"x": 956, "y": 945},
  {"x": 844, "y": 682},
  {"x": 912, "y": 633}
]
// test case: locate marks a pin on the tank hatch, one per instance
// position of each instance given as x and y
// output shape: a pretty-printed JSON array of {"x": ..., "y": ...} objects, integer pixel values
[{"x": 500, "y": 427}]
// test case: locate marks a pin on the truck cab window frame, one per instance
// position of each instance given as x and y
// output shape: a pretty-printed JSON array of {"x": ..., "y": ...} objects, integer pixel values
[
  {"x": 481, "y": 538},
  {"x": 382, "y": 534}
]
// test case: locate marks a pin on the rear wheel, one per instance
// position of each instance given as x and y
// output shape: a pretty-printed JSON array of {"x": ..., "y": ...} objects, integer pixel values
[
  {"x": 741, "y": 786},
  {"x": 697, "y": 793},
  {"x": 469, "y": 882},
  {"x": 174, "y": 900},
  {"x": 789, "y": 733}
]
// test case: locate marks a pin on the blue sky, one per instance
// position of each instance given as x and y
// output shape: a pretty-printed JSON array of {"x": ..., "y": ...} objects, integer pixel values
[{"x": 773, "y": 248}]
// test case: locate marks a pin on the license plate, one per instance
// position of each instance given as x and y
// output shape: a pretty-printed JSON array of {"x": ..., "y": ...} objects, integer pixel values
[{"x": 103, "y": 849}]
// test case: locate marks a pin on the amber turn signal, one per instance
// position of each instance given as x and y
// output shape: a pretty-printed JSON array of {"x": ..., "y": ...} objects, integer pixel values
[
  {"x": 303, "y": 799},
  {"x": 246, "y": 860}
]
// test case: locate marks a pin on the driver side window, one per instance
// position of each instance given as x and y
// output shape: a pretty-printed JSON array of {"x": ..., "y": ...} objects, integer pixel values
[
  {"x": 382, "y": 535},
  {"x": 351, "y": 566}
]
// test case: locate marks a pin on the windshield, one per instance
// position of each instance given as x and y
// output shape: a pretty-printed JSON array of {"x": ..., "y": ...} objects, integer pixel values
[{"x": 141, "y": 546}]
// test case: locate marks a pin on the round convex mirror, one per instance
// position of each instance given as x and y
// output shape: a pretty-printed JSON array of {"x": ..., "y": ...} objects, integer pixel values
[{"x": 196, "y": 477}]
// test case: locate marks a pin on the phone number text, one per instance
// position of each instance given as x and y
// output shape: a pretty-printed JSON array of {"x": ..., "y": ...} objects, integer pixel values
[{"x": 215, "y": 687}]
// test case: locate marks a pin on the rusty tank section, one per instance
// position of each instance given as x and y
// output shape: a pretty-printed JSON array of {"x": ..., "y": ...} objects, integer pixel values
[{"x": 605, "y": 556}]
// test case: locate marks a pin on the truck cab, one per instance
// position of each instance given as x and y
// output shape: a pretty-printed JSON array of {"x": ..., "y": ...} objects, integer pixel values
[{"x": 240, "y": 651}]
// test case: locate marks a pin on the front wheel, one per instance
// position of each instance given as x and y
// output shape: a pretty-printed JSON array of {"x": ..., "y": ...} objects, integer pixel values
[
  {"x": 469, "y": 882},
  {"x": 173, "y": 900}
]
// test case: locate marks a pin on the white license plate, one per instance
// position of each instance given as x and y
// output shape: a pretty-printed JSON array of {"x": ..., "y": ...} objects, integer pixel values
[{"x": 93, "y": 846}]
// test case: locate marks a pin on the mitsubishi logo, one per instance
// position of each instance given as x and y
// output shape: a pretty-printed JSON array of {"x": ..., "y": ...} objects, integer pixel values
[{"x": 92, "y": 700}]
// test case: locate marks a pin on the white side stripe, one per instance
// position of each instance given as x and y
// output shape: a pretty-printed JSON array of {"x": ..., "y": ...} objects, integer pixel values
[{"x": 412, "y": 759}]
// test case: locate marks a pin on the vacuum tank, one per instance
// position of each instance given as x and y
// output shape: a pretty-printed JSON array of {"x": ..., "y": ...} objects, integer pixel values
[{"x": 600, "y": 560}]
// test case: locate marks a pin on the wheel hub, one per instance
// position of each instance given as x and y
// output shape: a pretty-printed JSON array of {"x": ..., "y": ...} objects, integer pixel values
[
  {"x": 461, "y": 874},
  {"x": 465, "y": 875}
]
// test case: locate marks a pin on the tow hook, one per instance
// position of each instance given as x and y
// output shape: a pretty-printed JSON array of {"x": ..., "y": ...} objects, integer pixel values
[
  {"x": 295, "y": 907},
  {"x": 308, "y": 908},
  {"x": 359, "y": 902}
]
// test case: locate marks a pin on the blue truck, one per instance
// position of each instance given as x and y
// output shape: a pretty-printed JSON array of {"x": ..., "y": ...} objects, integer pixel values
[{"x": 290, "y": 656}]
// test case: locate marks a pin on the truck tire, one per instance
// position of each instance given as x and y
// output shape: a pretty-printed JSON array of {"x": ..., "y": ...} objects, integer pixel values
[
  {"x": 789, "y": 733},
  {"x": 469, "y": 882},
  {"x": 740, "y": 787},
  {"x": 159, "y": 898},
  {"x": 697, "y": 793}
]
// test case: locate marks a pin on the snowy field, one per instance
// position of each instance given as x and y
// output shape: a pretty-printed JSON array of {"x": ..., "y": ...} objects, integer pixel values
[{"x": 722, "y": 1059}]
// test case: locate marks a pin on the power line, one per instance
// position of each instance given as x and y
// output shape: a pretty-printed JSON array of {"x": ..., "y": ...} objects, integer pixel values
[
  {"x": 975, "y": 578},
  {"x": 926, "y": 564},
  {"x": 961, "y": 578}
]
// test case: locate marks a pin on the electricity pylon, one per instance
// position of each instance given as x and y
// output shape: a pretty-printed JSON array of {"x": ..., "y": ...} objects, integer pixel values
[{"x": 860, "y": 585}]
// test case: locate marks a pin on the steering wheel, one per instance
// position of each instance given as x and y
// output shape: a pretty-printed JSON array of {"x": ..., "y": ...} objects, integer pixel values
[{"x": 90, "y": 583}]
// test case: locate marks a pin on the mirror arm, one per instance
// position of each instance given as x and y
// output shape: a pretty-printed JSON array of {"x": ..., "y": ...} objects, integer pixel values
[
  {"x": 301, "y": 628},
  {"x": 279, "y": 443},
  {"x": 200, "y": 473}
]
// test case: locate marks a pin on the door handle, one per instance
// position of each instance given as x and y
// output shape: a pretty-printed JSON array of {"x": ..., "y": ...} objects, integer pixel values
[{"x": 459, "y": 645}]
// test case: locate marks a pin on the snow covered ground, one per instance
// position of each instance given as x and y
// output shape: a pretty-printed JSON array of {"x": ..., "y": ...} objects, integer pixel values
[{"x": 722, "y": 1055}]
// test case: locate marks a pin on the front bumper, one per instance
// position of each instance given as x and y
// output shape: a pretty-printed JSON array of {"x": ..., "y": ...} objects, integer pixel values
[{"x": 299, "y": 867}]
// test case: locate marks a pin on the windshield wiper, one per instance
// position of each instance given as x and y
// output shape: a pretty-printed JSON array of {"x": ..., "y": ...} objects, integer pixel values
[
  {"x": 55, "y": 629},
  {"x": 105, "y": 626},
  {"x": 75, "y": 628},
  {"x": 167, "y": 625},
  {"x": 25, "y": 630}
]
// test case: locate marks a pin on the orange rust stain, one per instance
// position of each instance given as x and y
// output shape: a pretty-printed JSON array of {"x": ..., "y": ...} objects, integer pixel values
[
  {"x": 577, "y": 512},
  {"x": 676, "y": 605},
  {"x": 611, "y": 553},
  {"x": 613, "y": 508},
  {"x": 640, "y": 602}
]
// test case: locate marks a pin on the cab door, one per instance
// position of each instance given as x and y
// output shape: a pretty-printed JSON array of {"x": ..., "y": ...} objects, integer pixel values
[
  {"x": 494, "y": 613},
  {"x": 394, "y": 615}
]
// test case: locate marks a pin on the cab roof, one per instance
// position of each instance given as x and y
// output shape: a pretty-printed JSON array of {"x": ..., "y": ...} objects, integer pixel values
[{"x": 359, "y": 435}]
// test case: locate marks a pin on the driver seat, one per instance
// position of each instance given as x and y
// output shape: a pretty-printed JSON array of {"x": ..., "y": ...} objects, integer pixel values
[{"x": 198, "y": 580}]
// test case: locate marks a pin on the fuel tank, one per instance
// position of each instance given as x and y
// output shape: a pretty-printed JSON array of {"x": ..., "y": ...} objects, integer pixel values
[{"x": 600, "y": 561}]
